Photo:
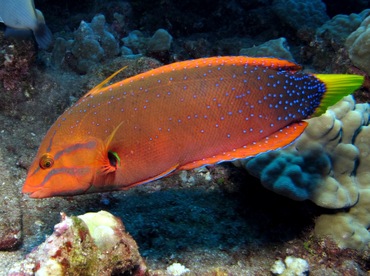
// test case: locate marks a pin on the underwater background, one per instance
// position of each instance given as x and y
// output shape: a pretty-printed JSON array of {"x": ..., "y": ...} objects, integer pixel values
[{"x": 216, "y": 220}]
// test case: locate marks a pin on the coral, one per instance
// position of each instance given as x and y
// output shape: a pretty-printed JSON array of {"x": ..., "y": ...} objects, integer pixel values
[
  {"x": 301, "y": 14},
  {"x": 157, "y": 46},
  {"x": 273, "y": 48},
  {"x": 90, "y": 244},
  {"x": 291, "y": 266},
  {"x": 92, "y": 43},
  {"x": 160, "y": 41},
  {"x": 341, "y": 26},
  {"x": 328, "y": 165},
  {"x": 136, "y": 41},
  {"x": 176, "y": 269},
  {"x": 357, "y": 45},
  {"x": 321, "y": 164},
  {"x": 350, "y": 229}
]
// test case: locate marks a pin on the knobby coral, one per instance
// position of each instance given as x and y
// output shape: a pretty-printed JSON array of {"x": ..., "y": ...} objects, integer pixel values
[{"x": 329, "y": 165}]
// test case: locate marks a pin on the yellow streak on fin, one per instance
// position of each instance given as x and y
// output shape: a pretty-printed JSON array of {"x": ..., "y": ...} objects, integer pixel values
[
  {"x": 111, "y": 136},
  {"x": 107, "y": 167},
  {"x": 97, "y": 88},
  {"x": 337, "y": 86}
]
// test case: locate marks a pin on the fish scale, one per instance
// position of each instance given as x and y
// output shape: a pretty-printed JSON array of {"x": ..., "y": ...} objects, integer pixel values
[{"x": 179, "y": 116}]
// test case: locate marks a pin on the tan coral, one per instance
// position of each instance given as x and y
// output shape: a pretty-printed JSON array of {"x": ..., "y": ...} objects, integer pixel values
[
  {"x": 350, "y": 229},
  {"x": 357, "y": 44},
  {"x": 342, "y": 134}
]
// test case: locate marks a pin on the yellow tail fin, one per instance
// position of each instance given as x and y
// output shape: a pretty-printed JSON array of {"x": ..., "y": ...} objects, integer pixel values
[{"x": 337, "y": 86}]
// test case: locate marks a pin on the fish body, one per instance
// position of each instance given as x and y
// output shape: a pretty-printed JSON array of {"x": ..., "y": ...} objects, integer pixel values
[
  {"x": 21, "y": 17},
  {"x": 177, "y": 117}
]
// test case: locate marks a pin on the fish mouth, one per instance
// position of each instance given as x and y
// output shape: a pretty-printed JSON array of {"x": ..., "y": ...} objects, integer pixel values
[{"x": 47, "y": 193}]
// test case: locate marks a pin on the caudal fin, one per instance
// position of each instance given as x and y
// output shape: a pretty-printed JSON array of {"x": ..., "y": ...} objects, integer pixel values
[{"x": 337, "y": 86}]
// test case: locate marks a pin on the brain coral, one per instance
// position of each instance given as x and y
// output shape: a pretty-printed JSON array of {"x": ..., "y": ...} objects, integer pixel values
[{"x": 329, "y": 165}]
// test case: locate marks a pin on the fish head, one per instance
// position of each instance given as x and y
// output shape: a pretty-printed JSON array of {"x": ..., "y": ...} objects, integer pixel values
[{"x": 65, "y": 166}]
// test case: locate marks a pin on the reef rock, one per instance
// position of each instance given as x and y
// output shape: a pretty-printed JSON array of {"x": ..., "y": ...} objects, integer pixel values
[
  {"x": 90, "y": 244},
  {"x": 301, "y": 14}
]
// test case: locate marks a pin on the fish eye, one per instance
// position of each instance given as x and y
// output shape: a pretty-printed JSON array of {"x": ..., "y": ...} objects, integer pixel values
[{"x": 46, "y": 161}]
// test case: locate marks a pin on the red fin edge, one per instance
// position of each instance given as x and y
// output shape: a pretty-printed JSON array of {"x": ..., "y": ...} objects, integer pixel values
[{"x": 277, "y": 140}]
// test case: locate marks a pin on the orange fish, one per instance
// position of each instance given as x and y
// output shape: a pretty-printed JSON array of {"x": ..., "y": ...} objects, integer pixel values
[{"x": 178, "y": 117}]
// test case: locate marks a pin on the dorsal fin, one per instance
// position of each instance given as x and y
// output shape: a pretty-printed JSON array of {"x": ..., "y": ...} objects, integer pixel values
[
  {"x": 274, "y": 63},
  {"x": 97, "y": 88}
]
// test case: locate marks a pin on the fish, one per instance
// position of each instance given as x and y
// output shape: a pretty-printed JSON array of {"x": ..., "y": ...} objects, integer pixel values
[
  {"x": 180, "y": 116},
  {"x": 22, "y": 19}
]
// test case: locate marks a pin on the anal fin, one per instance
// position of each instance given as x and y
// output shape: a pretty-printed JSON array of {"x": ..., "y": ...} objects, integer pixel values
[
  {"x": 277, "y": 140},
  {"x": 161, "y": 175}
]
